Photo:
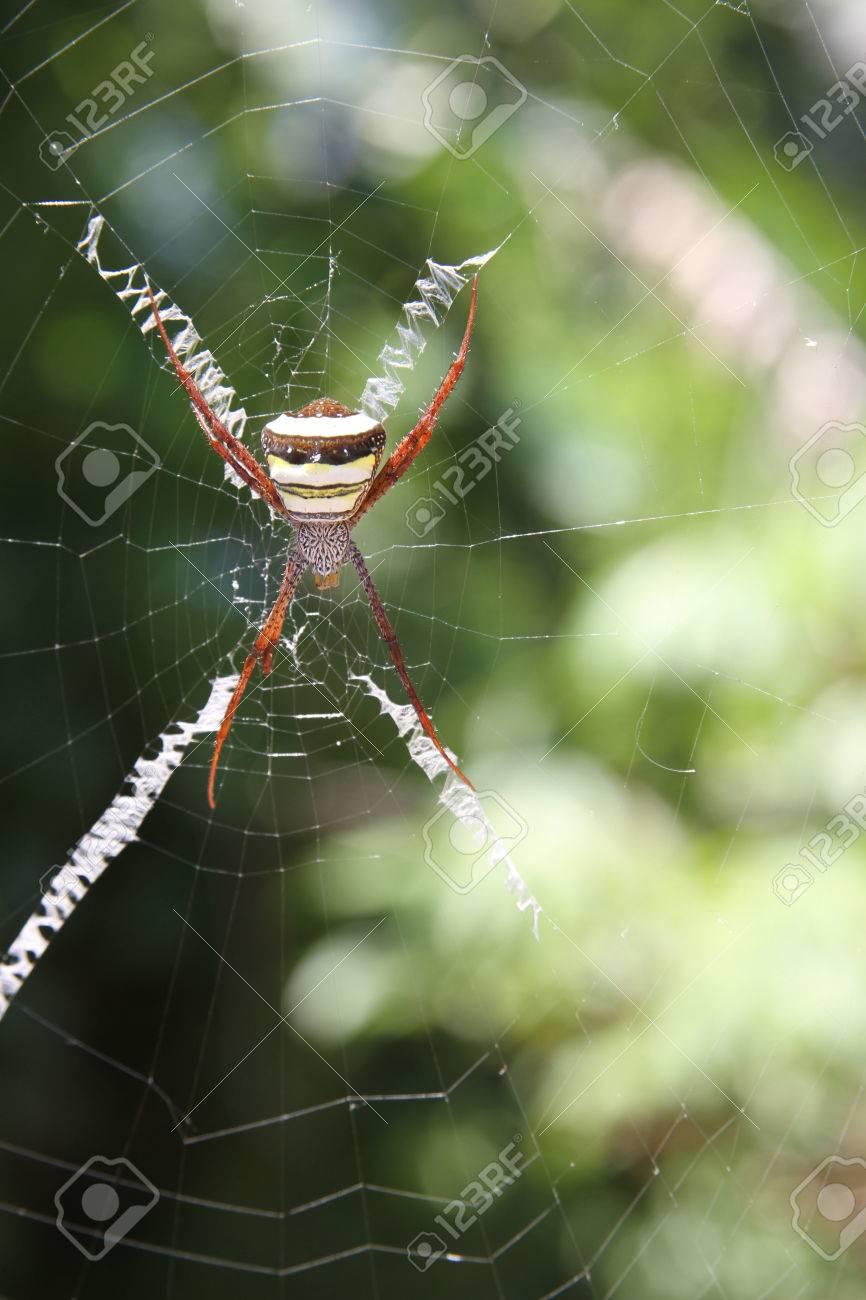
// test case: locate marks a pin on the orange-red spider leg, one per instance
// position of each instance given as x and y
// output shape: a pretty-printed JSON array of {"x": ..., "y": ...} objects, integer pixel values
[
  {"x": 263, "y": 649},
  {"x": 390, "y": 638},
  {"x": 415, "y": 441},
  {"x": 220, "y": 439}
]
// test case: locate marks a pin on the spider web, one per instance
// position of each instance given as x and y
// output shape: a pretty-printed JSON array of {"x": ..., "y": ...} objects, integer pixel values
[{"x": 280, "y": 1013}]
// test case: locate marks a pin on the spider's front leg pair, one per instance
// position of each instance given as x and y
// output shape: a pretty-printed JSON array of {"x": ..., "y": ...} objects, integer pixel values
[{"x": 336, "y": 466}]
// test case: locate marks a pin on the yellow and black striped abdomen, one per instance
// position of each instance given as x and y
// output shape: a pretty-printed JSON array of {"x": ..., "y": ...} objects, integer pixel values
[{"x": 322, "y": 459}]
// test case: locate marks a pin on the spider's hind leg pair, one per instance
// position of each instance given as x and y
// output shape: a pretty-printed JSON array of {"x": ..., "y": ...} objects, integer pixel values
[{"x": 322, "y": 463}]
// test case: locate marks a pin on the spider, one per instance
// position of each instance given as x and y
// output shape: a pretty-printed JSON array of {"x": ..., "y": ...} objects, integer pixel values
[{"x": 321, "y": 461}]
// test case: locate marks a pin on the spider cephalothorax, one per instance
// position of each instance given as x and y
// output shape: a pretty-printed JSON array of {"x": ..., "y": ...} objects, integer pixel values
[{"x": 322, "y": 463}]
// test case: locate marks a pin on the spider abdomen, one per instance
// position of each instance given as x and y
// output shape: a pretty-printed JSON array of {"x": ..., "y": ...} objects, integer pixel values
[{"x": 322, "y": 459}]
